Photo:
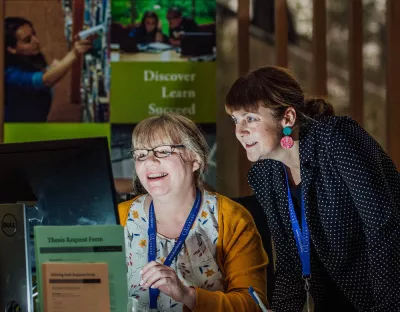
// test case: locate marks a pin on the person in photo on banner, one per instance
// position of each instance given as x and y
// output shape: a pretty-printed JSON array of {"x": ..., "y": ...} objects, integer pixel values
[
  {"x": 187, "y": 248},
  {"x": 28, "y": 77},
  {"x": 149, "y": 30},
  {"x": 178, "y": 25},
  {"x": 330, "y": 193}
]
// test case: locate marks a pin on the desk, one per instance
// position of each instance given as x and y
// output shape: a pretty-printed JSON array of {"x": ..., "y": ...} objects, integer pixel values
[{"x": 165, "y": 56}]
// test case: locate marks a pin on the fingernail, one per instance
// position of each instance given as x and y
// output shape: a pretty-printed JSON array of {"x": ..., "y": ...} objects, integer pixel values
[
  {"x": 141, "y": 282},
  {"x": 141, "y": 272},
  {"x": 152, "y": 287}
]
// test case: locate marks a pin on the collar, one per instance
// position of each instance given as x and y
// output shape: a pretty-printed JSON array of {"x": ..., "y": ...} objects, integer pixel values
[{"x": 307, "y": 144}]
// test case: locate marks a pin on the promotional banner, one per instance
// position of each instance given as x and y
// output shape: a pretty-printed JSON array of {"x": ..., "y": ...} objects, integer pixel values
[
  {"x": 84, "y": 68},
  {"x": 163, "y": 56}
]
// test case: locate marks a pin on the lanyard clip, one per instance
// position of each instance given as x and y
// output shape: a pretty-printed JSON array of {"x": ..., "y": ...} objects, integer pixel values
[{"x": 306, "y": 279}]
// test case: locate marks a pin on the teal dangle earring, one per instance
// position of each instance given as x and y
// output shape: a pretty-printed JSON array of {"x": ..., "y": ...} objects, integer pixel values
[{"x": 287, "y": 141}]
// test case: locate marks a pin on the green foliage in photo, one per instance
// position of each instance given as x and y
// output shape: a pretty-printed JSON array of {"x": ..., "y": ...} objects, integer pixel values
[{"x": 131, "y": 11}]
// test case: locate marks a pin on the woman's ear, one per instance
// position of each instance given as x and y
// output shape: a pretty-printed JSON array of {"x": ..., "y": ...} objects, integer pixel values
[
  {"x": 196, "y": 165},
  {"x": 289, "y": 118}
]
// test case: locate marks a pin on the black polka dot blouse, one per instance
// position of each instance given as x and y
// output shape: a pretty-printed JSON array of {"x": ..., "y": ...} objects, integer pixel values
[{"x": 352, "y": 198}]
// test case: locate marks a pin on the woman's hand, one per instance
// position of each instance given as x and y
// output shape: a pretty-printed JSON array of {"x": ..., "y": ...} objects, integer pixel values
[
  {"x": 174, "y": 42},
  {"x": 156, "y": 275},
  {"x": 54, "y": 63},
  {"x": 159, "y": 37},
  {"x": 84, "y": 45},
  {"x": 58, "y": 69}
]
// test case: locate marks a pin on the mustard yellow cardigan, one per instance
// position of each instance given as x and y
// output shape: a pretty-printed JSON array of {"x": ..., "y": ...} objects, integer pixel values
[{"x": 240, "y": 257}]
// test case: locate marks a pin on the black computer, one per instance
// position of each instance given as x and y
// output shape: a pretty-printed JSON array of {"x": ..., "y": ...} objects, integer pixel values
[
  {"x": 63, "y": 182},
  {"x": 197, "y": 43},
  {"x": 71, "y": 180}
]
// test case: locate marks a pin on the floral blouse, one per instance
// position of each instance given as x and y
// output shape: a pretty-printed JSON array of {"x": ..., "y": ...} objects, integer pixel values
[{"x": 195, "y": 265}]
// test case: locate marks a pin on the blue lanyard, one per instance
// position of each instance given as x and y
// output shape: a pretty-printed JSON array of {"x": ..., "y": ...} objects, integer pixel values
[
  {"x": 152, "y": 251},
  {"x": 302, "y": 236}
]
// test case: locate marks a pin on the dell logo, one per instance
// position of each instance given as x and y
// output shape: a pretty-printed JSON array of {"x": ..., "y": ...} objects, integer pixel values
[{"x": 9, "y": 225}]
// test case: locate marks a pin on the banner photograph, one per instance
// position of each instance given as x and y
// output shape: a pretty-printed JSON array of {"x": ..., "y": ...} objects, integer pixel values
[
  {"x": 56, "y": 72},
  {"x": 163, "y": 31}
]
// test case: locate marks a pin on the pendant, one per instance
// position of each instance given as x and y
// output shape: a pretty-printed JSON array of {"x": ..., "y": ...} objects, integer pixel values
[{"x": 309, "y": 300}]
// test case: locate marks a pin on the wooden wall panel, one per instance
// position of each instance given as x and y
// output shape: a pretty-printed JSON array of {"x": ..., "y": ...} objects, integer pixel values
[
  {"x": 319, "y": 50},
  {"x": 356, "y": 77},
  {"x": 243, "y": 68},
  {"x": 281, "y": 33},
  {"x": 243, "y": 36},
  {"x": 393, "y": 78}
]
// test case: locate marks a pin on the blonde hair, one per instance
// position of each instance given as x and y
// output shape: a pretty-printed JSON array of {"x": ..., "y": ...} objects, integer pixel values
[{"x": 171, "y": 129}]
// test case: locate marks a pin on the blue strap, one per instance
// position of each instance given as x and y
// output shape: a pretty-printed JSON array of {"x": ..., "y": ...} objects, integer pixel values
[
  {"x": 302, "y": 236},
  {"x": 152, "y": 232}
]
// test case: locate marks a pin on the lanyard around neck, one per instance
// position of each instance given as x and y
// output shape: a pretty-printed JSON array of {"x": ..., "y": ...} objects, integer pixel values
[
  {"x": 152, "y": 232},
  {"x": 302, "y": 236}
]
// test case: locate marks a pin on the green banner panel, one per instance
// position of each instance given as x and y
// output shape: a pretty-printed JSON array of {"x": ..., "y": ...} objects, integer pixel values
[
  {"x": 29, "y": 132},
  {"x": 140, "y": 90}
]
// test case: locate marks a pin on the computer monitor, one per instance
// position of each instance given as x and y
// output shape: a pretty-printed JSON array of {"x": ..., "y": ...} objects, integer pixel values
[
  {"x": 197, "y": 43},
  {"x": 71, "y": 180}
]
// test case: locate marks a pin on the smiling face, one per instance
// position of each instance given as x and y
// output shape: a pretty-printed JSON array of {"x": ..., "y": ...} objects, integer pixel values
[
  {"x": 163, "y": 171},
  {"x": 258, "y": 132},
  {"x": 169, "y": 173}
]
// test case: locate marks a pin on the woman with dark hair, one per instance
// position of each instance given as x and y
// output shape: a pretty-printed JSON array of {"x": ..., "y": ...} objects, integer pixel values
[
  {"x": 330, "y": 193},
  {"x": 28, "y": 77},
  {"x": 149, "y": 30}
]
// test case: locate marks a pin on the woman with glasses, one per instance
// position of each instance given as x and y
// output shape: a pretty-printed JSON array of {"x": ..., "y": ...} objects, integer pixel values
[{"x": 187, "y": 248}]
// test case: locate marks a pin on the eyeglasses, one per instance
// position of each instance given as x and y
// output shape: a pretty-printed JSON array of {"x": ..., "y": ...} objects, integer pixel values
[{"x": 159, "y": 152}]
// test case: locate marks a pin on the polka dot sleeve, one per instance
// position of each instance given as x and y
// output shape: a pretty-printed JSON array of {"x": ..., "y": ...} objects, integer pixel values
[{"x": 373, "y": 183}]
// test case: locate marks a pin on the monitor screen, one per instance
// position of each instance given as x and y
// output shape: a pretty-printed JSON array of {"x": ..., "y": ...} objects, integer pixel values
[
  {"x": 70, "y": 181},
  {"x": 197, "y": 43},
  {"x": 64, "y": 182}
]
